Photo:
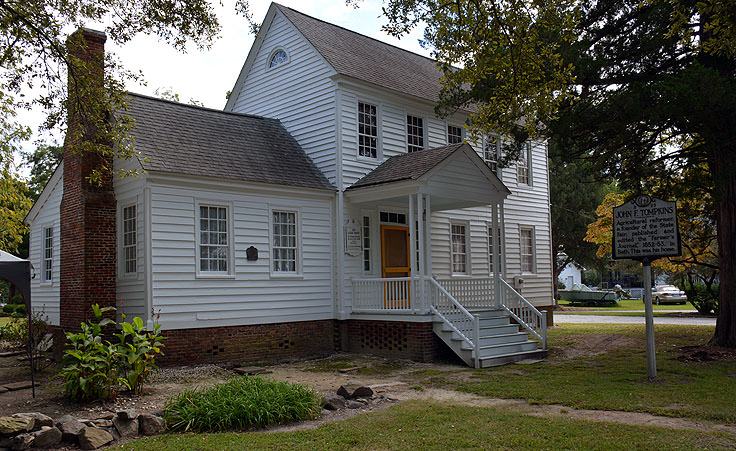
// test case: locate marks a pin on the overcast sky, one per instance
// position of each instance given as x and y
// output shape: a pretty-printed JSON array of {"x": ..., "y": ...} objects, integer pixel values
[{"x": 207, "y": 75}]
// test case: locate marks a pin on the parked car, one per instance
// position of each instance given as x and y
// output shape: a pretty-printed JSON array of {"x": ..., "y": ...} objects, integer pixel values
[{"x": 668, "y": 294}]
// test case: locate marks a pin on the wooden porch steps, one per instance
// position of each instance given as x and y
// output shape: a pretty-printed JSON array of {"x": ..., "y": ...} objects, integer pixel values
[{"x": 501, "y": 341}]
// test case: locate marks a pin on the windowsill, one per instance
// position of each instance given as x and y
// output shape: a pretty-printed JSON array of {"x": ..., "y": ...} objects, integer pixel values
[
  {"x": 213, "y": 275},
  {"x": 293, "y": 276},
  {"x": 461, "y": 275},
  {"x": 129, "y": 276},
  {"x": 48, "y": 283},
  {"x": 369, "y": 159}
]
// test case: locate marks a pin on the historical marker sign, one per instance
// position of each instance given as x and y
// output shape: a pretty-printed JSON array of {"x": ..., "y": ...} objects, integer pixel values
[{"x": 645, "y": 228}]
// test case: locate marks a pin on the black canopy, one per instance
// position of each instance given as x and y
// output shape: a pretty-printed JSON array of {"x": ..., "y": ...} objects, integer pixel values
[{"x": 18, "y": 272}]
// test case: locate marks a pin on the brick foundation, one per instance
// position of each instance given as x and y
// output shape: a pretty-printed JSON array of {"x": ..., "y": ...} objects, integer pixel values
[
  {"x": 404, "y": 340},
  {"x": 248, "y": 344}
]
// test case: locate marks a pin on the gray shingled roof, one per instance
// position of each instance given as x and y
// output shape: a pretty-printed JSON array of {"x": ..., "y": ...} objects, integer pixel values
[
  {"x": 185, "y": 139},
  {"x": 408, "y": 166},
  {"x": 368, "y": 59}
]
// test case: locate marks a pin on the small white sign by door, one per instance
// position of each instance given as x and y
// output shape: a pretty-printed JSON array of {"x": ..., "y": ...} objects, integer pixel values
[{"x": 352, "y": 238}]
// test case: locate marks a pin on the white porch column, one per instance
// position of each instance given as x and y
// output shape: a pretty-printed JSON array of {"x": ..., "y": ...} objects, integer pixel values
[
  {"x": 412, "y": 252},
  {"x": 428, "y": 237},
  {"x": 496, "y": 258},
  {"x": 503, "y": 241},
  {"x": 420, "y": 240}
]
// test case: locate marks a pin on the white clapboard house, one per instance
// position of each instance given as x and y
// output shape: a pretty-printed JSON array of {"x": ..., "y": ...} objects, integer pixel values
[{"x": 326, "y": 208}]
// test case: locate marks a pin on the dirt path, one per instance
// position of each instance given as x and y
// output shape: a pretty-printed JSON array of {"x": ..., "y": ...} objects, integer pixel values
[{"x": 392, "y": 382}]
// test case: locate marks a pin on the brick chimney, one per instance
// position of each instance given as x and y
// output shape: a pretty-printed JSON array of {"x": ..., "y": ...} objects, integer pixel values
[{"x": 87, "y": 235}]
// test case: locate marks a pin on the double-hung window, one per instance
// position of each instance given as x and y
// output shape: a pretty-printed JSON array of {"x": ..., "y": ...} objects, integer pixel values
[
  {"x": 454, "y": 134},
  {"x": 366, "y": 234},
  {"x": 526, "y": 235},
  {"x": 524, "y": 166},
  {"x": 214, "y": 240},
  {"x": 491, "y": 250},
  {"x": 284, "y": 259},
  {"x": 367, "y": 130},
  {"x": 48, "y": 254},
  {"x": 459, "y": 248},
  {"x": 492, "y": 152},
  {"x": 130, "y": 239},
  {"x": 414, "y": 133}
]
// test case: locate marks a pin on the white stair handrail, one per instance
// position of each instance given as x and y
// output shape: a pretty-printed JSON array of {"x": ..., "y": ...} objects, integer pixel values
[
  {"x": 524, "y": 312},
  {"x": 474, "y": 339}
]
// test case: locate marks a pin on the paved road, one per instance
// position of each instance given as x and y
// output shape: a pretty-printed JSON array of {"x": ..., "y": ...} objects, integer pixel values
[{"x": 561, "y": 318}]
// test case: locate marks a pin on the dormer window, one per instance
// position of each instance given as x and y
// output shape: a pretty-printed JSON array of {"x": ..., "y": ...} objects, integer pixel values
[{"x": 278, "y": 58}]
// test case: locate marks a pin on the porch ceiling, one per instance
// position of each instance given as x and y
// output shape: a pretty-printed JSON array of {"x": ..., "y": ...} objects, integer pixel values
[{"x": 454, "y": 176}]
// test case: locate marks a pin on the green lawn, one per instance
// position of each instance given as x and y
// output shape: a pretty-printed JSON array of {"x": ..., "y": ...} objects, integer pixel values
[
  {"x": 633, "y": 304},
  {"x": 4, "y": 320},
  {"x": 660, "y": 314},
  {"x": 425, "y": 425},
  {"x": 615, "y": 380}
]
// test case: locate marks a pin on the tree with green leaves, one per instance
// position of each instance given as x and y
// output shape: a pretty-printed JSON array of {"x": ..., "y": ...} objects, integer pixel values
[
  {"x": 646, "y": 89},
  {"x": 576, "y": 189},
  {"x": 39, "y": 69},
  {"x": 42, "y": 163}
]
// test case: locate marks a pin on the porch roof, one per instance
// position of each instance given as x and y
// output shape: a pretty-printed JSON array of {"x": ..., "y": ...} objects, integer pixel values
[{"x": 454, "y": 174}]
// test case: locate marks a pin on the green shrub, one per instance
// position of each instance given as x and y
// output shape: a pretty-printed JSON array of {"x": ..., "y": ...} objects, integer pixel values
[
  {"x": 705, "y": 301},
  {"x": 242, "y": 403},
  {"x": 139, "y": 348},
  {"x": 17, "y": 299},
  {"x": 21, "y": 309},
  {"x": 16, "y": 331},
  {"x": 97, "y": 369},
  {"x": 91, "y": 367},
  {"x": 8, "y": 309}
]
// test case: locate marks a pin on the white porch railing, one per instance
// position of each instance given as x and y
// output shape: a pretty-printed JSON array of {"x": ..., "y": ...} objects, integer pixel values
[
  {"x": 534, "y": 321},
  {"x": 386, "y": 295},
  {"x": 471, "y": 292}
]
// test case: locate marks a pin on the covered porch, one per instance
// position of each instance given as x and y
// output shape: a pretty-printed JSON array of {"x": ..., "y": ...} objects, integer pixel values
[{"x": 424, "y": 184}]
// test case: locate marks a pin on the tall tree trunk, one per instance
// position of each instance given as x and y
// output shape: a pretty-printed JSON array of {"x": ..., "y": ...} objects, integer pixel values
[{"x": 724, "y": 171}]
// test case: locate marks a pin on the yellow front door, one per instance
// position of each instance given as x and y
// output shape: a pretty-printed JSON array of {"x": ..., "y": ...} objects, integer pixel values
[{"x": 395, "y": 263}]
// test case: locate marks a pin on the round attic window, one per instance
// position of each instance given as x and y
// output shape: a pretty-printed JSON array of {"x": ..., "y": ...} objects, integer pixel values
[{"x": 279, "y": 57}]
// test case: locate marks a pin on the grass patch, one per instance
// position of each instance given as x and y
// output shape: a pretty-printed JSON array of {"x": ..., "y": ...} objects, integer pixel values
[
  {"x": 244, "y": 402},
  {"x": 616, "y": 379},
  {"x": 656, "y": 314},
  {"x": 4, "y": 320},
  {"x": 631, "y": 304},
  {"x": 422, "y": 425}
]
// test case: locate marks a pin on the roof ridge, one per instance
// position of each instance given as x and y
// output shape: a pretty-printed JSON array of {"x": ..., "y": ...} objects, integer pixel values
[
  {"x": 355, "y": 32},
  {"x": 201, "y": 108}
]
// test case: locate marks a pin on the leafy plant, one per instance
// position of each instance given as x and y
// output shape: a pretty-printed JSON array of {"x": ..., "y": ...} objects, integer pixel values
[
  {"x": 139, "y": 348},
  {"x": 92, "y": 367},
  {"x": 15, "y": 331},
  {"x": 243, "y": 402},
  {"x": 704, "y": 299}
]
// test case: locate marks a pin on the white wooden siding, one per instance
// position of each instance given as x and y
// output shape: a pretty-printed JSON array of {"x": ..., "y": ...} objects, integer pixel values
[
  {"x": 131, "y": 288},
  {"x": 299, "y": 93},
  {"x": 45, "y": 295},
  {"x": 250, "y": 295}
]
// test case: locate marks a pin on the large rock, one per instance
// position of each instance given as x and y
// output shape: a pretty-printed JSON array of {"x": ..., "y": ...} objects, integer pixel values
[
  {"x": 93, "y": 438},
  {"x": 47, "y": 437},
  {"x": 70, "y": 428},
  {"x": 352, "y": 391},
  {"x": 15, "y": 425},
  {"x": 22, "y": 441},
  {"x": 151, "y": 424},
  {"x": 125, "y": 427},
  {"x": 333, "y": 402},
  {"x": 41, "y": 419},
  {"x": 128, "y": 414}
]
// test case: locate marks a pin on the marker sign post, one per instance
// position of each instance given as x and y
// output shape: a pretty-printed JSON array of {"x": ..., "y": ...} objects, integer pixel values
[{"x": 646, "y": 229}]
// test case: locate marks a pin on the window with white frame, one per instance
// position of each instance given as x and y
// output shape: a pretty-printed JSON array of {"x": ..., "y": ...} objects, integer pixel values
[
  {"x": 458, "y": 241},
  {"x": 214, "y": 242},
  {"x": 278, "y": 58},
  {"x": 414, "y": 133},
  {"x": 48, "y": 254},
  {"x": 284, "y": 242},
  {"x": 492, "y": 152},
  {"x": 366, "y": 229},
  {"x": 524, "y": 165},
  {"x": 454, "y": 134},
  {"x": 130, "y": 239},
  {"x": 526, "y": 247},
  {"x": 367, "y": 130}
]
